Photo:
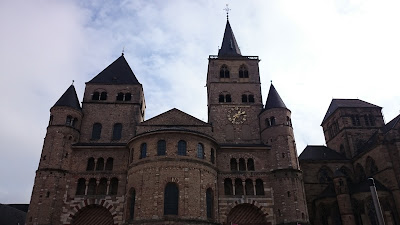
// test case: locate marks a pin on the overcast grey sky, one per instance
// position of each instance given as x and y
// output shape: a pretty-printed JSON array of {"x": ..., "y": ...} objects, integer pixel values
[{"x": 312, "y": 50}]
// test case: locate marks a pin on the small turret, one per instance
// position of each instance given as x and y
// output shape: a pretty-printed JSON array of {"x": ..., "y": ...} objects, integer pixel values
[{"x": 343, "y": 198}]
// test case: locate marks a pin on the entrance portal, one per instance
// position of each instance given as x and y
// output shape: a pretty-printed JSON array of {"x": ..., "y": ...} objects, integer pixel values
[
  {"x": 93, "y": 215},
  {"x": 246, "y": 214}
]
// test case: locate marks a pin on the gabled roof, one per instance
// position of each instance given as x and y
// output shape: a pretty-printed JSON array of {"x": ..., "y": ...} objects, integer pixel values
[
  {"x": 69, "y": 99},
  {"x": 175, "y": 118},
  {"x": 391, "y": 124},
  {"x": 273, "y": 99},
  {"x": 118, "y": 72},
  {"x": 229, "y": 45},
  {"x": 320, "y": 152},
  {"x": 347, "y": 103}
]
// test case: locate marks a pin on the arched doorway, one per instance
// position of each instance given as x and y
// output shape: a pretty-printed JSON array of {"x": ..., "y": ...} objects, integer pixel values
[
  {"x": 246, "y": 214},
  {"x": 93, "y": 215}
]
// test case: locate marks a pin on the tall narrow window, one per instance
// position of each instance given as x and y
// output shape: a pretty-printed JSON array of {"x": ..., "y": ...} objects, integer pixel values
[
  {"x": 228, "y": 188},
  {"x": 103, "y": 95},
  {"x": 102, "y": 188},
  {"x": 200, "y": 151},
  {"x": 210, "y": 203},
  {"x": 92, "y": 187},
  {"x": 161, "y": 147},
  {"x": 267, "y": 122},
  {"x": 244, "y": 98},
  {"x": 51, "y": 120},
  {"x": 243, "y": 73},
  {"x": 120, "y": 96},
  {"x": 128, "y": 96},
  {"x": 96, "y": 96},
  {"x": 109, "y": 164},
  {"x": 249, "y": 187},
  {"x": 74, "y": 122},
  {"x": 143, "y": 151},
  {"x": 366, "y": 120},
  {"x": 224, "y": 72},
  {"x": 80, "y": 189},
  {"x": 68, "y": 122},
  {"x": 100, "y": 164},
  {"x": 228, "y": 98},
  {"x": 273, "y": 122},
  {"x": 372, "y": 120},
  {"x": 259, "y": 187},
  {"x": 117, "y": 131},
  {"x": 234, "y": 164},
  {"x": 96, "y": 131},
  {"x": 90, "y": 164},
  {"x": 238, "y": 187},
  {"x": 242, "y": 164},
  {"x": 171, "y": 199},
  {"x": 114, "y": 186},
  {"x": 132, "y": 199},
  {"x": 182, "y": 147},
  {"x": 250, "y": 164},
  {"x": 212, "y": 156},
  {"x": 221, "y": 98},
  {"x": 251, "y": 98}
]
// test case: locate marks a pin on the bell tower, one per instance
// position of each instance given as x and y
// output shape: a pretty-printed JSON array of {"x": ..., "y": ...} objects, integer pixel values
[{"x": 234, "y": 93}]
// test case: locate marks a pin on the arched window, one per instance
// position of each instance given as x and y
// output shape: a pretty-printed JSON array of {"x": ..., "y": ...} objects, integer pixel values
[
  {"x": 288, "y": 121},
  {"x": 103, "y": 95},
  {"x": 228, "y": 188},
  {"x": 200, "y": 151},
  {"x": 117, "y": 131},
  {"x": 102, "y": 188},
  {"x": 212, "y": 156},
  {"x": 221, "y": 98},
  {"x": 372, "y": 120},
  {"x": 74, "y": 122},
  {"x": 251, "y": 98},
  {"x": 249, "y": 187},
  {"x": 244, "y": 98},
  {"x": 259, "y": 187},
  {"x": 96, "y": 96},
  {"x": 161, "y": 147},
  {"x": 171, "y": 199},
  {"x": 120, "y": 96},
  {"x": 242, "y": 164},
  {"x": 68, "y": 122},
  {"x": 288, "y": 194},
  {"x": 128, "y": 96},
  {"x": 143, "y": 151},
  {"x": 224, "y": 72},
  {"x": 90, "y": 164},
  {"x": 92, "y": 187},
  {"x": 273, "y": 122},
  {"x": 132, "y": 199},
  {"x": 228, "y": 98},
  {"x": 234, "y": 164},
  {"x": 250, "y": 164},
  {"x": 96, "y": 131},
  {"x": 238, "y": 187},
  {"x": 210, "y": 203},
  {"x": 113, "y": 186},
  {"x": 109, "y": 164},
  {"x": 100, "y": 164},
  {"x": 243, "y": 73},
  {"x": 370, "y": 166},
  {"x": 81, "y": 187},
  {"x": 267, "y": 122},
  {"x": 360, "y": 173},
  {"x": 182, "y": 147}
]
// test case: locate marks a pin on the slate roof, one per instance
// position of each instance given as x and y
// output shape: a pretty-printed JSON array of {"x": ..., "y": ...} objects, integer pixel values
[
  {"x": 274, "y": 100},
  {"x": 391, "y": 124},
  {"x": 320, "y": 152},
  {"x": 69, "y": 98},
  {"x": 347, "y": 103},
  {"x": 229, "y": 45},
  {"x": 118, "y": 72},
  {"x": 175, "y": 118},
  {"x": 11, "y": 216}
]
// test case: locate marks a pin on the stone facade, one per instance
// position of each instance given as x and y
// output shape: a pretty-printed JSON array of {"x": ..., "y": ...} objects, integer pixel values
[{"x": 102, "y": 163}]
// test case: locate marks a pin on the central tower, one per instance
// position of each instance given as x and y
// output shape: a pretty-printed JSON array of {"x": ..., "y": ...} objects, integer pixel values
[{"x": 234, "y": 93}]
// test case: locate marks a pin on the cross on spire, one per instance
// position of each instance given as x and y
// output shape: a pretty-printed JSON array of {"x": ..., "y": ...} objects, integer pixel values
[{"x": 227, "y": 9}]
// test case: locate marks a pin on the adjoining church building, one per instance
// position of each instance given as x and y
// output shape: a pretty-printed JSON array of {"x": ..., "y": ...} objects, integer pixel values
[{"x": 102, "y": 163}]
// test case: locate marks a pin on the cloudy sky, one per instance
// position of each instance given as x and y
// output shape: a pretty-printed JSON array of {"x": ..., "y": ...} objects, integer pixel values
[{"x": 313, "y": 51}]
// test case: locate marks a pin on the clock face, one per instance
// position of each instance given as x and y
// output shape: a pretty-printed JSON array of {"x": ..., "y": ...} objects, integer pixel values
[{"x": 236, "y": 115}]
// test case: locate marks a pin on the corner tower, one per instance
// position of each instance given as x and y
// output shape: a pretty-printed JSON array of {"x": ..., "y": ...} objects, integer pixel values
[{"x": 233, "y": 93}]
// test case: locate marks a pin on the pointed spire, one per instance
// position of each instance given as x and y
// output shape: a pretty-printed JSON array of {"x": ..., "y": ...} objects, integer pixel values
[
  {"x": 274, "y": 100},
  {"x": 69, "y": 99},
  {"x": 118, "y": 72},
  {"x": 229, "y": 45}
]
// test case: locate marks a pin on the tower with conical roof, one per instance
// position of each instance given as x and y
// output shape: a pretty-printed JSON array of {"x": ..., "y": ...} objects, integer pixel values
[{"x": 50, "y": 182}]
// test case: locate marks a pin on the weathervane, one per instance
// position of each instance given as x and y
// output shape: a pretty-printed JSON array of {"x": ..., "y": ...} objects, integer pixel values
[
  {"x": 123, "y": 50},
  {"x": 227, "y": 9}
]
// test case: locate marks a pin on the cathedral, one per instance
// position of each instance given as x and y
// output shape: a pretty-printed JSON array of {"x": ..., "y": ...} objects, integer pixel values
[{"x": 102, "y": 163}]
